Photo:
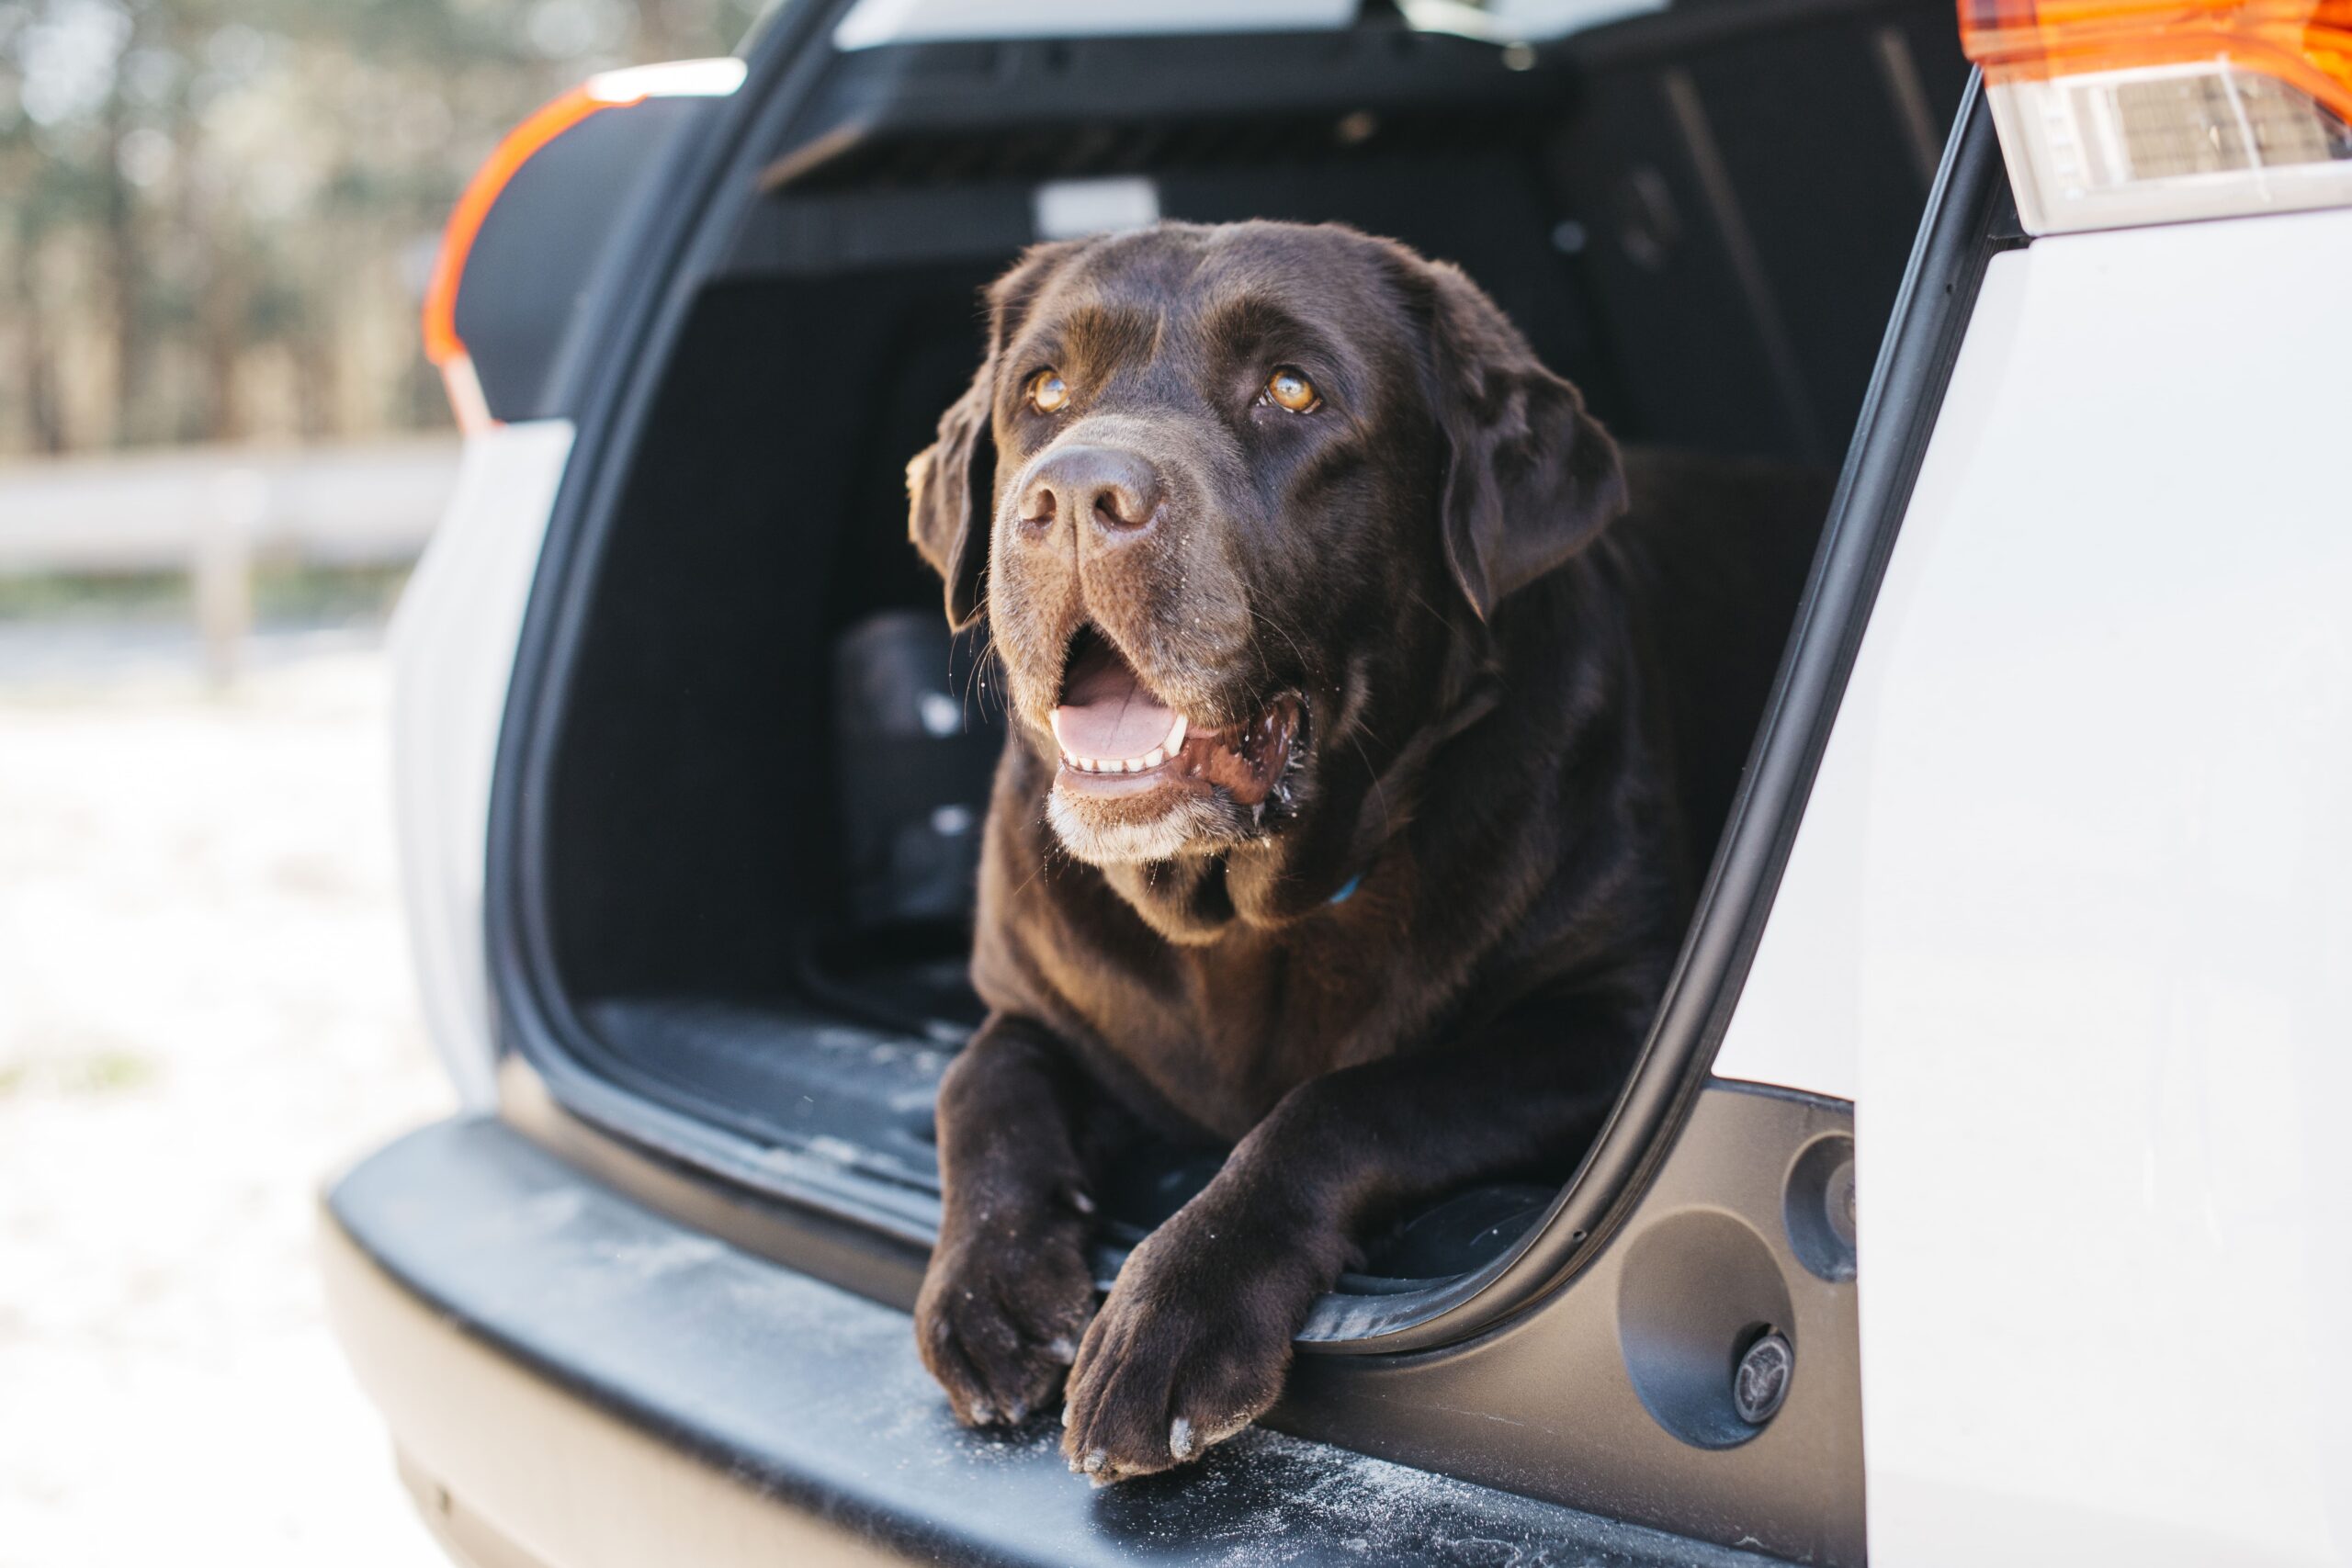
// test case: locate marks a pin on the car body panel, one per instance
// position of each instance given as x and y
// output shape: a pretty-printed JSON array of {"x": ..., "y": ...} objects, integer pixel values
[
  {"x": 453, "y": 642},
  {"x": 2067, "y": 910}
]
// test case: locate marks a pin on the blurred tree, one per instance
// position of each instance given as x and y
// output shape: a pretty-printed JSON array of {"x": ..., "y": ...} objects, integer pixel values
[{"x": 216, "y": 215}]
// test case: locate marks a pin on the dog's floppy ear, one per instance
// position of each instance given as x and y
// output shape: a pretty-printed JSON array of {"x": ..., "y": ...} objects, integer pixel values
[
  {"x": 950, "y": 489},
  {"x": 951, "y": 484},
  {"x": 1531, "y": 479}
]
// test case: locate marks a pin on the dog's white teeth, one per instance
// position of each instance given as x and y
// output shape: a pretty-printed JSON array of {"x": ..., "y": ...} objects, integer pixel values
[
  {"x": 1144, "y": 763},
  {"x": 1175, "y": 741}
]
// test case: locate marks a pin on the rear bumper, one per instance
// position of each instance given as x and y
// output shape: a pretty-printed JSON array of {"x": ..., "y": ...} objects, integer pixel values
[{"x": 571, "y": 1380}]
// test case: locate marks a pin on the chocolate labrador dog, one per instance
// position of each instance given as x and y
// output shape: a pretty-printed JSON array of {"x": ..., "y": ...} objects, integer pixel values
[{"x": 1338, "y": 823}]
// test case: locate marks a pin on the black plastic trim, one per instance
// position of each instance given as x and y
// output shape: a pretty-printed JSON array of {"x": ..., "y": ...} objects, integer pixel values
[
  {"x": 905, "y": 113},
  {"x": 1616, "y": 1395},
  {"x": 1683, "y": 28},
  {"x": 807, "y": 1395}
]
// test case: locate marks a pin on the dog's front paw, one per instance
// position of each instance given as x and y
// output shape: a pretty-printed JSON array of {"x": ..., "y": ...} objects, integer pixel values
[
  {"x": 1001, "y": 1314},
  {"x": 1190, "y": 1348}
]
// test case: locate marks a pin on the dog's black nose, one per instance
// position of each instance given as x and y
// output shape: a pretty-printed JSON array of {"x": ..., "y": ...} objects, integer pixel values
[{"x": 1119, "y": 492}]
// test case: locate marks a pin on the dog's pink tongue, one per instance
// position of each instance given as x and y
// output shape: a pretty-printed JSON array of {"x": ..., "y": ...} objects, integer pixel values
[{"x": 1104, "y": 712}]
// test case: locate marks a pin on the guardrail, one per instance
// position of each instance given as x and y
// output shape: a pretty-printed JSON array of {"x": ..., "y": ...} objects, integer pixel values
[{"x": 215, "y": 512}]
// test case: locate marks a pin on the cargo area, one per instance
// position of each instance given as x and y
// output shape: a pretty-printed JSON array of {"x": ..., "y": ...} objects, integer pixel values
[{"x": 754, "y": 833}]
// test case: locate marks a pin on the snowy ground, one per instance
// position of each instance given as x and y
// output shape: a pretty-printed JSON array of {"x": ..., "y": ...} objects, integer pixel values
[{"x": 205, "y": 1010}]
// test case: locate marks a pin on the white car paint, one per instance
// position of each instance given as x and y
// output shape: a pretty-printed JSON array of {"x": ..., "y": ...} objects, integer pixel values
[
  {"x": 870, "y": 23},
  {"x": 2070, "y": 918},
  {"x": 453, "y": 643}
]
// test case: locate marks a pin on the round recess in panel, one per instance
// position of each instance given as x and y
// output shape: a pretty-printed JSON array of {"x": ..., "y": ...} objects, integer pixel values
[
  {"x": 1818, "y": 1206},
  {"x": 1699, "y": 1292}
]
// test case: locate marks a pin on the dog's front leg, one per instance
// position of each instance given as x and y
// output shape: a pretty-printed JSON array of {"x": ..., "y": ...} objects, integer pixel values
[
  {"x": 1009, "y": 1292},
  {"x": 1194, "y": 1342}
]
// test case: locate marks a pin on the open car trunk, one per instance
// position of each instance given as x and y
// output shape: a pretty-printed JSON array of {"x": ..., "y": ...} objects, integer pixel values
[
  {"x": 751, "y": 830},
  {"x": 738, "y": 805}
]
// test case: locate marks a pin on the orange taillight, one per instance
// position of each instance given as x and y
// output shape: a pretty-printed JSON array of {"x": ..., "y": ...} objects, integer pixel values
[
  {"x": 2305, "y": 42},
  {"x": 2119, "y": 112},
  {"x": 608, "y": 90},
  {"x": 442, "y": 345}
]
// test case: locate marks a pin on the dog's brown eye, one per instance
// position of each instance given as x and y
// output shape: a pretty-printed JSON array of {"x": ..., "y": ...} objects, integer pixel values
[
  {"x": 1047, "y": 393},
  {"x": 1290, "y": 388}
]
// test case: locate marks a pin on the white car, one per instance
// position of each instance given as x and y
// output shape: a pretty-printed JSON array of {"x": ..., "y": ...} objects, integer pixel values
[{"x": 1984, "y": 1191}]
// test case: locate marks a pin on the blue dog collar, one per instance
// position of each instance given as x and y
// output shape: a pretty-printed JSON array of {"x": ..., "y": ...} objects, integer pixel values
[{"x": 1346, "y": 889}]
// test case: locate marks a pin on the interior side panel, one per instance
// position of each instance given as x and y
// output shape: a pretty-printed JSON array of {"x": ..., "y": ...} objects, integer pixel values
[{"x": 694, "y": 790}]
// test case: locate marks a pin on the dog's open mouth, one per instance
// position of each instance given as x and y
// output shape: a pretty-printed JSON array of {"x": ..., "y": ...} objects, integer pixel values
[{"x": 1117, "y": 739}]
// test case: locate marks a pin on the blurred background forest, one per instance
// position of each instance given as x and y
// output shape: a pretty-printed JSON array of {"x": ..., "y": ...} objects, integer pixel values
[
  {"x": 220, "y": 447},
  {"x": 217, "y": 216}
]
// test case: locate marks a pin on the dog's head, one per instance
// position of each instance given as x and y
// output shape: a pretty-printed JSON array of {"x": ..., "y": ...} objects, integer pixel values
[{"x": 1226, "y": 497}]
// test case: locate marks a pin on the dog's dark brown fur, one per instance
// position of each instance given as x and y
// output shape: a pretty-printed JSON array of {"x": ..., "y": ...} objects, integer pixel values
[{"x": 1423, "y": 566}]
